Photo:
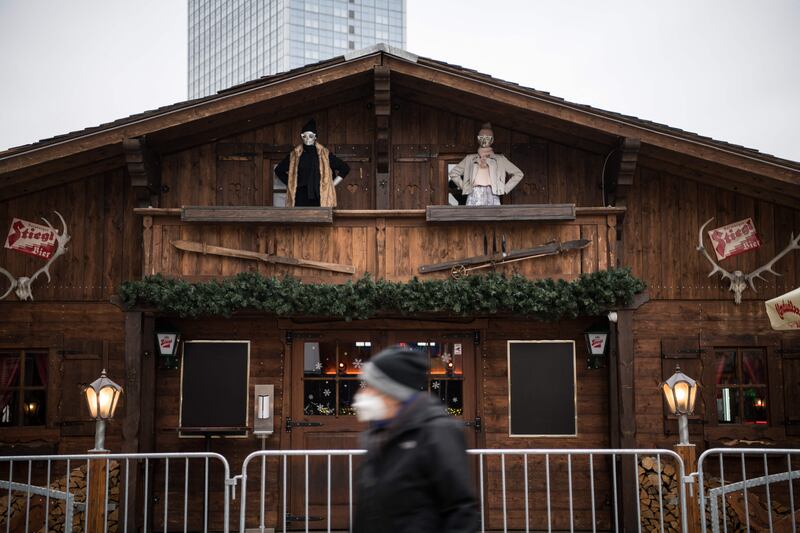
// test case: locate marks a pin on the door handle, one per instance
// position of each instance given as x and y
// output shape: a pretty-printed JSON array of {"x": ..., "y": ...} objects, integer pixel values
[
  {"x": 475, "y": 424},
  {"x": 292, "y": 424}
]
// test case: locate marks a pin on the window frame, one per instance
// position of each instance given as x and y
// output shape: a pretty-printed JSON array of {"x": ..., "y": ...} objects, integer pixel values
[
  {"x": 51, "y": 387},
  {"x": 740, "y": 386}
]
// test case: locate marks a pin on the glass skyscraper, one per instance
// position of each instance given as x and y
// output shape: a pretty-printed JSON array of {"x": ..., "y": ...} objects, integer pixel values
[{"x": 234, "y": 41}]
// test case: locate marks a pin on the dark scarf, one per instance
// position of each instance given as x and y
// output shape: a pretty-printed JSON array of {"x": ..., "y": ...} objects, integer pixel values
[{"x": 308, "y": 171}]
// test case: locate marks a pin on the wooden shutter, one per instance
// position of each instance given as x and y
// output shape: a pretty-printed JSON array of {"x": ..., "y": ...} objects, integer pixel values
[
  {"x": 686, "y": 353},
  {"x": 790, "y": 361}
]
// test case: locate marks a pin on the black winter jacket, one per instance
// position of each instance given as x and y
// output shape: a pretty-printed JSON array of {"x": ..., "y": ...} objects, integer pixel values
[{"x": 415, "y": 476}]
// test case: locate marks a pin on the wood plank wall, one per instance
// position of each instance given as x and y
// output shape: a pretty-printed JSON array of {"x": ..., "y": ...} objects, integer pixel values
[
  {"x": 83, "y": 338},
  {"x": 664, "y": 215},
  {"x": 391, "y": 247},
  {"x": 424, "y": 140},
  {"x": 105, "y": 247}
]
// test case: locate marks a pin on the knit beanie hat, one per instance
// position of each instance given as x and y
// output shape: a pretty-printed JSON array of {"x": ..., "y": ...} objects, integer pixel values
[
  {"x": 311, "y": 126},
  {"x": 397, "y": 371}
]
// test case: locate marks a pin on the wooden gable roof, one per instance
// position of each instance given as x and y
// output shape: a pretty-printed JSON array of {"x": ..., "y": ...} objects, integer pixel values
[{"x": 66, "y": 157}]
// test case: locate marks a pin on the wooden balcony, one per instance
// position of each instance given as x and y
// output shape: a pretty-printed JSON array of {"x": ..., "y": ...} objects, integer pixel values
[{"x": 386, "y": 244}]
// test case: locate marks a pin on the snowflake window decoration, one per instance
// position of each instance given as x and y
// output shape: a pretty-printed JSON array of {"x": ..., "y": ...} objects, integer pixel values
[
  {"x": 436, "y": 385},
  {"x": 326, "y": 392},
  {"x": 358, "y": 363},
  {"x": 455, "y": 399},
  {"x": 317, "y": 366},
  {"x": 446, "y": 358}
]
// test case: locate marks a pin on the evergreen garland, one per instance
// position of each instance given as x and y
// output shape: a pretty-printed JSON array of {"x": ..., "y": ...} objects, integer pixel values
[{"x": 543, "y": 299}]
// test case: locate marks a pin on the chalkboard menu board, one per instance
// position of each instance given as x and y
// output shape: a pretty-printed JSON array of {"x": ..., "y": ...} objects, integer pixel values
[
  {"x": 214, "y": 387},
  {"x": 541, "y": 389}
]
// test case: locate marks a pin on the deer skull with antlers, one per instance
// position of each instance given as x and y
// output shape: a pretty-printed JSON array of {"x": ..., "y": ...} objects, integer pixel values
[
  {"x": 22, "y": 285},
  {"x": 738, "y": 279}
]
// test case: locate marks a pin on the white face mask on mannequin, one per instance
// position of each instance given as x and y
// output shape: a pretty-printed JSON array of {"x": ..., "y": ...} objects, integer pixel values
[
  {"x": 309, "y": 137},
  {"x": 370, "y": 407},
  {"x": 484, "y": 141}
]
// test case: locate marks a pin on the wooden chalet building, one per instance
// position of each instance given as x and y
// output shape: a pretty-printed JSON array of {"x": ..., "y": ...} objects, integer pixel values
[{"x": 202, "y": 171}]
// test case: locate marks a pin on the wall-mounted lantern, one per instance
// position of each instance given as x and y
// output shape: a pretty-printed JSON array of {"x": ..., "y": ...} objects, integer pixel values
[
  {"x": 596, "y": 345},
  {"x": 168, "y": 348}
]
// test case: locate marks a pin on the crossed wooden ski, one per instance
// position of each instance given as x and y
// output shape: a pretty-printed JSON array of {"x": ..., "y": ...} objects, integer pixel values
[
  {"x": 203, "y": 248},
  {"x": 460, "y": 267}
]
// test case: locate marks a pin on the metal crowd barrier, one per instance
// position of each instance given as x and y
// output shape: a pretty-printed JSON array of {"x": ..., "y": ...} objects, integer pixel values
[
  {"x": 757, "y": 494},
  {"x": 548, "y": 457},
  {"x": 533, "y": 489},
  {"x": 517, "y": 489},
  {"x": 166, "y": 479}
]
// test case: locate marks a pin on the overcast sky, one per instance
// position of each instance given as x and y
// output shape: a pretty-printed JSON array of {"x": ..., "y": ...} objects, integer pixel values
[{"x": 723, "y": 68}]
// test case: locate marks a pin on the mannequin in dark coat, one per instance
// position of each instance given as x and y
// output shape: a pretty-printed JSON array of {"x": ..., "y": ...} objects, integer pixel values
[
  {"x": 309, "y": 174},
  {"x": 415, "y": 476}
]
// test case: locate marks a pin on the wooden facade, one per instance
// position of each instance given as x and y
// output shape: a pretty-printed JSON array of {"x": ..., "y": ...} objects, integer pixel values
[{"x": 641, "y": 191}]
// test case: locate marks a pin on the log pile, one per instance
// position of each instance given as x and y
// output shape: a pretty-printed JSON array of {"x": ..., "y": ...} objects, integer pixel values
[
  {"x": 649, "y": 480},
  {"x": 57, "y": 506},
  {"x": 651, "y": 475}
]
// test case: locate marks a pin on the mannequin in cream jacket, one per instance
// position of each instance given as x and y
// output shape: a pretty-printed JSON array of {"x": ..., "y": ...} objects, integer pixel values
[{"x": 482, "y": 176}]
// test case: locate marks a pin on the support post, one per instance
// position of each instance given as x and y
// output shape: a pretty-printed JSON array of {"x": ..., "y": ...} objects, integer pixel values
[
  {"x": 383, "y": 142},
  {"x": 129, "y": 478},
  {"x": 688, "y": 453},
  {"x": 96, "y": 501},
  {"x": 626, "y": 414}
]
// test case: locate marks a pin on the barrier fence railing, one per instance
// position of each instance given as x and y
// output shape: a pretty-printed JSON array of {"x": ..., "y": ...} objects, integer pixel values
[
  {"x": 94, "y": 493},
  {"x": 517, "y": 489},
  {"x": 749, "y": 489}
]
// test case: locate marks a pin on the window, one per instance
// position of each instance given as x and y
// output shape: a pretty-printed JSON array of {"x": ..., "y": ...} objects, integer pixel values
[
  {"x": 23, "y": 387},
  {"x": 740, "y": 375},
  {"x": 278, "y": 190},
  {"x": 331, "y": 376}
]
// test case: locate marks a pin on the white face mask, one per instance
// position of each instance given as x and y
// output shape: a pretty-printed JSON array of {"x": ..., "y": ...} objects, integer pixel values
[
  {"x": 309, "y": 137},
  {"x": 485, "y": 140},
  {"x": 370, "y": 407}
]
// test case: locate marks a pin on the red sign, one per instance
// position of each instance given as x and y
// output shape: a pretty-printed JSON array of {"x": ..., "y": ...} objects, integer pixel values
[
  {"x": 32, "y": 239},
  {"x": 734, "y": 239}
]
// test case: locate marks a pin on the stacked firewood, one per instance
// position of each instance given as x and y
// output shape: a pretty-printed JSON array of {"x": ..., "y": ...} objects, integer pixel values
[
  {"x": 652, "y": 508},
  {"x": 57, "y": 506}
]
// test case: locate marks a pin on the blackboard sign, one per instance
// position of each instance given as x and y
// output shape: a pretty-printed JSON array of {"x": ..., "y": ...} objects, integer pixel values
[
  {"x": 214, "y": 387},
  {"x": 541, "y": 389}
]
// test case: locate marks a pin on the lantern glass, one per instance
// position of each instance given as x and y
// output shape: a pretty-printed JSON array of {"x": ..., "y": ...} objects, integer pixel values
[
  {"x": 107, "y": 401},
  {"x": 91, "y": 400},
  {"x": 682, "y": 396},
  {"x": 669, "y": 397}
]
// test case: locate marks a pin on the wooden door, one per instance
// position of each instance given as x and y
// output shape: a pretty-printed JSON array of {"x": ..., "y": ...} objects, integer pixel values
[{"x": 326, "y": 369}]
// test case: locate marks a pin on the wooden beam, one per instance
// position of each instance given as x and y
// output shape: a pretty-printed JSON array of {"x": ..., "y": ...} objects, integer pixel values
[
  {"x": 28, "y": 185},
  {"x": 302, "y": 103},
  {"x": 383, "y": 137},
  {"x": 626, "y": 413},
  {"x": 504, "y": 213},
  {"x": 752, "y": 189},
  {"x": 280, "y": 215},
  {"x": 471, "y": 105},
  {"x": 659, "y": 136},
  {"x": 193, "y": 112},
  {"x": 622, "y": 170},
  {"x": 144, "y": 169},
  {"x": 130, "y": 426}
]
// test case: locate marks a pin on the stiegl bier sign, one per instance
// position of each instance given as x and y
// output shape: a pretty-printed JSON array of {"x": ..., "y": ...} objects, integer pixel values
[{"x": 31, "y": 238}]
